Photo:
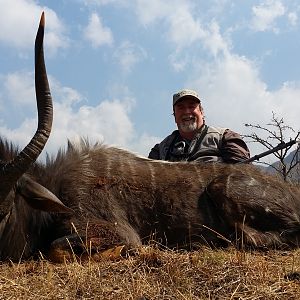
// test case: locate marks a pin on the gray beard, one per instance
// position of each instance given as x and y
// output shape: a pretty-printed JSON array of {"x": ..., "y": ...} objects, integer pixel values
[{"x": 187, "y": 126}]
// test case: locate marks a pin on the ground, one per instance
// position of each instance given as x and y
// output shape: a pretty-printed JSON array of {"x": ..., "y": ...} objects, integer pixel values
[{"x": 159, "y": 274}]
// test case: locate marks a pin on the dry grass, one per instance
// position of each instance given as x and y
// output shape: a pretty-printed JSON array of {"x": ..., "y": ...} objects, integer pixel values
[{"x": 157, "y": 274}]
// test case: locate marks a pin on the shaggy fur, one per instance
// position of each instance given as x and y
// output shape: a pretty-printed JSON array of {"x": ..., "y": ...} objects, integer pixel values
[{"x": 119, "y": 198}]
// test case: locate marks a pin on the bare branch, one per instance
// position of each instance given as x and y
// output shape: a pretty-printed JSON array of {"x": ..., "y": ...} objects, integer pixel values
[{"x": 276, "y": 131}]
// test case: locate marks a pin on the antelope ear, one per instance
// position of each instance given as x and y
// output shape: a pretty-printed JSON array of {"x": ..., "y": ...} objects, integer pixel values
[{"x": 39, "y": 197}]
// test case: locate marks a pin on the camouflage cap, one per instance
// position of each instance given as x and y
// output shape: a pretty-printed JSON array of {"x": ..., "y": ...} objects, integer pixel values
[{"x": 185, "y": 93}]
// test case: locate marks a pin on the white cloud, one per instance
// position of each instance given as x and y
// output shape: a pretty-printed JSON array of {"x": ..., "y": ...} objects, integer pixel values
[
  {"x": 19, "y": 22},
  {"x": 98, "y": 2},
  {"x": 266, "y": 14},
  {"x": 144, "y": 144},
  {"x": 233, "y": 94},
  {"x": 151, "y": 11},
  {"x": 287, "y": 104},
  {"x": 20, "y": 136},
  {"x": 214, "y": 41},
  {"x": 178, "y": 61},
  {"x": 176, "y": 15},
  {"x": 109, "y": 121},
  {"x": 210, "y": 39},
  {"x": 89, "y": 122},
  {"x": 19, "y": 88},
  {"x": 293, "y": 18},
  {"x": 97, "y": 33},
  {"x": 184, "y": 29},
  {"x": 129, "y": 54}
]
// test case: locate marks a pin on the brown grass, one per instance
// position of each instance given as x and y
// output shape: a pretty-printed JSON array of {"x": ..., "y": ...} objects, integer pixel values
[{"x": 157, "y": 274}]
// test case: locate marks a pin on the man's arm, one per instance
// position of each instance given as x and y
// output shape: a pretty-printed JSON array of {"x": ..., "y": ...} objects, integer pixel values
[
  {"x": 233, "y": 149},
  {"x": 154, "y": 153}
]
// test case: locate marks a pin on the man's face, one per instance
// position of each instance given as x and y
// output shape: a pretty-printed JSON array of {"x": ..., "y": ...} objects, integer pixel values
[{"x": 188, "y": 115}]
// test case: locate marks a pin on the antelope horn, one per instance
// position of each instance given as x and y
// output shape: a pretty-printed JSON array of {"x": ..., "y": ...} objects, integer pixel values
[{"x": 11, "y": 171}]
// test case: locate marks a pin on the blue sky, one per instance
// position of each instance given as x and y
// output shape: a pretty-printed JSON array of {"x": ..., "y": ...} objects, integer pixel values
[{"x": 113, "y": 66}]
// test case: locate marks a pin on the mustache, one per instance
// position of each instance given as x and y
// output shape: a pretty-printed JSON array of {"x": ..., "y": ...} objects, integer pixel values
[{"x": 188, "y": 117}]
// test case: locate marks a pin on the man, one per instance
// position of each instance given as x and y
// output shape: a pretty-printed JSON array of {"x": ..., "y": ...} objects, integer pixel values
[{"x": 194, "y": 140}]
